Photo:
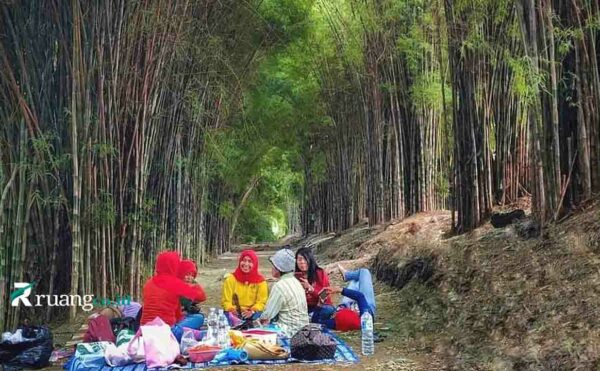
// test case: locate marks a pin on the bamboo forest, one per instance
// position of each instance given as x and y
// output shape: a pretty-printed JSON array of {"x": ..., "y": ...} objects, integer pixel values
[{"x": 131, "y": 127}]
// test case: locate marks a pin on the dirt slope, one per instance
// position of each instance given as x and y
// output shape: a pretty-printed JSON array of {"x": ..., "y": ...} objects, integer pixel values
[{"x": 494, "y": 300}]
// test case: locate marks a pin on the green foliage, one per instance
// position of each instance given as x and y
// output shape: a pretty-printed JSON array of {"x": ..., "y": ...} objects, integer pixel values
[
  {"x": 527, "y": 79},
  {"x": 104, "y": 150},
  {"x": 427, "y": 91},
  {"x": 413, "y": 48},
  {"x": 281, "y": 112},
  {"x": 103, "y": 211},
  {"x": 226, "y": 209},
  {"x": 286, "y": 19},
  {"x": 318, "y": 167}
]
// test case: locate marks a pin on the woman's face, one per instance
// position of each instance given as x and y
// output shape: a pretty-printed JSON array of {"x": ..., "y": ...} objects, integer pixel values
[
  {"x": 246, "y": 264},
  {"x": 189, "y": 278},
  {"x": 302, "y": 263}
]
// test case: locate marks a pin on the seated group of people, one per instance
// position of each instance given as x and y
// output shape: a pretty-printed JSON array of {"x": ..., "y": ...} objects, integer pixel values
[{"x": 302, "y": 293}]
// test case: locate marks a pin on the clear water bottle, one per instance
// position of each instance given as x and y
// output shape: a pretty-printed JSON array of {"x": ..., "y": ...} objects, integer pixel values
[
  {"x": 366, "y": 326},
  {"x": 213, "y": 327},
  {"x": 223, "y": 336}
]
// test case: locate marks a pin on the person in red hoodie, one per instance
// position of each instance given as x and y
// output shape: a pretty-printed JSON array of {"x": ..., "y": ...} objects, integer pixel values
[
  {"x": 187, "y": 272},
  {"x": 162, "y": 291},
  {"x": 314, "y": 279}
]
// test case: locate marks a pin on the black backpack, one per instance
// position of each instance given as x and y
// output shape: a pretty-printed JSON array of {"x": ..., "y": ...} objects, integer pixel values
[{"x": 311, "y": 344}]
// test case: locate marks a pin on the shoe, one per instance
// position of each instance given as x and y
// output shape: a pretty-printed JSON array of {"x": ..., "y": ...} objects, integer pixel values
[{"x": 377, "y": 338}]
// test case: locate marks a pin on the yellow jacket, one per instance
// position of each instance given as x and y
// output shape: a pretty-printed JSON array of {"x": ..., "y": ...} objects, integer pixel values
[{"x": 251, "y": 296}]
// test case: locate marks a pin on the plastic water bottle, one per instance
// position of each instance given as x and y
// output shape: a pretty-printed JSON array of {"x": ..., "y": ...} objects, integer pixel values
[
  {"x": 223, "y": 335},
  {"x": 213, "y": 328},
  {"x": 366, "y": 326}
]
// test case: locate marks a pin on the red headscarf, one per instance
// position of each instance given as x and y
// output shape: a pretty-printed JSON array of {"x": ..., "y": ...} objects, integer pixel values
[
  {"x": 186, "y": 268},
  {"x": 253, "y": 276}
]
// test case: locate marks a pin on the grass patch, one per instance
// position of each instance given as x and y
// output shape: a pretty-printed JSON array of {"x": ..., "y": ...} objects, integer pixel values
[{"x": 418, "y": 311}]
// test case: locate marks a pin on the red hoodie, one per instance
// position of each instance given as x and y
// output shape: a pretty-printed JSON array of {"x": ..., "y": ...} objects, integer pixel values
[{"x": 161, "y": 292}]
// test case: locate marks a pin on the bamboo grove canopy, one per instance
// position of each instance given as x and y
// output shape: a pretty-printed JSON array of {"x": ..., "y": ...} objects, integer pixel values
[{"x": 129, "y": 127}]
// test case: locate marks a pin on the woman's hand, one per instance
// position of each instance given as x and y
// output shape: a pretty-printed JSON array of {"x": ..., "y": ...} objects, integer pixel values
[
  {"x": 307, "y": 286},
  {"x": 247, "y": 314}
]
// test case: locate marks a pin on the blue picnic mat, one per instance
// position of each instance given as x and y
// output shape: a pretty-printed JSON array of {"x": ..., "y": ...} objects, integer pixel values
[{"x": 343, "y": 354}]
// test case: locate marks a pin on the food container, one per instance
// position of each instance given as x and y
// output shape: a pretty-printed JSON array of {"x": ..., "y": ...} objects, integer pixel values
[
  {"x": 204, "y": 354},
  {"x": 267, "y": 337}
]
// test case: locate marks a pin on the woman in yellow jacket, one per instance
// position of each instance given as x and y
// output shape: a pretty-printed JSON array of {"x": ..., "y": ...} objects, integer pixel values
[{"x": 245, "y": 291}]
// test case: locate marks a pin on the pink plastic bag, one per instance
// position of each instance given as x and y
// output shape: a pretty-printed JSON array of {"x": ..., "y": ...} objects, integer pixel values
[
  {"x": 160, "y": 345},
  {"x": 135, "y": 348}
]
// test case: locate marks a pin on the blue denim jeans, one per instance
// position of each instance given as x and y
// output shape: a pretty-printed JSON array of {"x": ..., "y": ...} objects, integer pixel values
[
  {"x": 360, "y": 280},
  {"x": 357, "y": 296},
  {"x": 322, "y": 313},
  {"x": 193, "y": 321}
]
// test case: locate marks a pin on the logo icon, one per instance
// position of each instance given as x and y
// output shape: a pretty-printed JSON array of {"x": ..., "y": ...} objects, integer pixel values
[{"x": 21, "y": 294}]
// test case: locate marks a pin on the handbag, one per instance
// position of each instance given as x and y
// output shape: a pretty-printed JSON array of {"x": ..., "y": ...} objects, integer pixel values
[
  {"x": 311, "y": 344},
  {"x": 256, "y": 349}
]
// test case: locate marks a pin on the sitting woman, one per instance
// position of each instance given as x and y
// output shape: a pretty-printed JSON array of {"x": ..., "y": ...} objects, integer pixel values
[
  {"x": 190, "y": 315},
  {"x": 245, "y": 291},
  {"x": 314, "y": 279},
  {"x": 359, "y": 292},
  {"x": 161, "y": 292}
]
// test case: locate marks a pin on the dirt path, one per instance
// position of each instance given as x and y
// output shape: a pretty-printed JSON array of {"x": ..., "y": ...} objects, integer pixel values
[{"x": 389, "y": 355}]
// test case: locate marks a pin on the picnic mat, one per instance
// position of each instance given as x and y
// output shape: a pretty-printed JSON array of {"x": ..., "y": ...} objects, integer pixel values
[{"x": 343, "y": 354}]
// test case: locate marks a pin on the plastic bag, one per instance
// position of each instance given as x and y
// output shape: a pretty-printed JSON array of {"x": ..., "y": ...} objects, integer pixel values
[
  {"x": 15, "y": 338},
  {"x": 86, "y": 349},
  {"x": 188, "y": 340},
  {"x": 160, "y": 345},
  {"x": 92, "y": 354},
  {"x": 124, "y": 336},
  {"x": 30, "y": 353},
  {"x": 117, "y": 356},
  {"x": 135, "y": 348}
]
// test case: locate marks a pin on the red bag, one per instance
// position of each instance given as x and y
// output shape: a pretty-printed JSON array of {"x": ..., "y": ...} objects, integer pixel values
[{"x": 99, "y": 329}]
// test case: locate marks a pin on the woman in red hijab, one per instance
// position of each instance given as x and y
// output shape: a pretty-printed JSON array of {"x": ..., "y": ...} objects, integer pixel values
[
  {"x": 162, "y": 291},
  {"x": 245, "y": 291},
  {"x": 187, "y": 272}
]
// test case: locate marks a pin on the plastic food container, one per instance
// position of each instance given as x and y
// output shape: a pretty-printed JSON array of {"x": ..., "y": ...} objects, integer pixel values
[
  {"x": 268, "y": 337},
  {"x": 203, "y": 355}
]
